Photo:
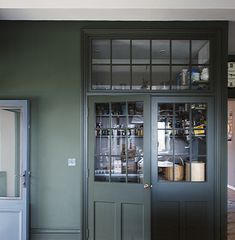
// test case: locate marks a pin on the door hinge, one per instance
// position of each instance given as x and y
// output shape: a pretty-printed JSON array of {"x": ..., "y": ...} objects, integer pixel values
[
  {"x": 25, "y": 177},
  {"x": 88, "y": 173}
]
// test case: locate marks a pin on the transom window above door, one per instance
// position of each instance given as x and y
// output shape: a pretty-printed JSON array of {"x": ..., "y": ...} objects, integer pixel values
[{"x": 149, "y": 65}]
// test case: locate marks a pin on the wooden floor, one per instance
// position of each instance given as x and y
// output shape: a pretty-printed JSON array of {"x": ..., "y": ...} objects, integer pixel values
[{"x": 231, "y": 215}]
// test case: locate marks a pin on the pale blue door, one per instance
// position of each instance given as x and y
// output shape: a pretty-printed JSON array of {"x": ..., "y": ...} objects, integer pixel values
[{"x": 14, "y": 172}]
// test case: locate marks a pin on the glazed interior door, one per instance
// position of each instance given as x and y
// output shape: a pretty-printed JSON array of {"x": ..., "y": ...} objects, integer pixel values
[
  {"x": 182, "y": 168},
  {"x": 119, "y": 168},
  {"x": 13, "y": 170}
]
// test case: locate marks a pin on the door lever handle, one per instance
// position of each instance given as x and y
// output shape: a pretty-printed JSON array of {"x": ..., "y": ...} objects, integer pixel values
[{"x": 146, "y": 186}]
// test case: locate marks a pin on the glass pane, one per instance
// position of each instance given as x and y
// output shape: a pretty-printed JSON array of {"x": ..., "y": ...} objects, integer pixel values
[
  {"x": 136, "y": 108},
  {"x": 200, "y": 77},
  {"x": 199, "y": 119},
  {"x": 101, "y": 51},
  {"x": 118, "y": 108},
  {"x": 198, "y": 147},
  {"x": 141, "y": 77},
  {"x": 160, "y": 51},
  {"x": 181, "y": 145},
  {"x": 102, "y": 109},
  {"x": 200, "y": 51},
  {"x": 195, "y": 171},
  {"x": 102, "y": 124},
  {"x": 102, "y": 144},
  {"x": 141, "y": 51},
  {"x": 118, "y": 124},
  {"x": 121, "y": 51},
  {"x": 118, "y": 145},
  {"x": 165, "y": 116},
  {"x": 135, "y": 126},
  {"x": 180, "y": 51},
  {"x": 10, "y": 157},
  {"x": 101, "y": 77},
  {"x": 160, "y": 77},
  {"x": 135, "y": 159},
  {"x": 121, "y": 77},
  {"x": 116, "y": 170},
  {"x": 102, "y": 168},
  {"x": 182, "y": 118},
  {"x": 165, "y": 168},
  {"x": 180, "y": 77},
  {"x": 165, "y": 142}
]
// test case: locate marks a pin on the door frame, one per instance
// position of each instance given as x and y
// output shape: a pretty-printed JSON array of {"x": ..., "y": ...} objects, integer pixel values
[{"x": 219, "y": 30}]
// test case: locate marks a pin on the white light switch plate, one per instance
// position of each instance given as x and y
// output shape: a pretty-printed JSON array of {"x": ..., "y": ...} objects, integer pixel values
[{"x": 71, "y": 162}]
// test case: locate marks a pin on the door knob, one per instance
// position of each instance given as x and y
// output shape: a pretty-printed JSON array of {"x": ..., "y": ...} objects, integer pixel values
[{"x": 146, "y": 185}]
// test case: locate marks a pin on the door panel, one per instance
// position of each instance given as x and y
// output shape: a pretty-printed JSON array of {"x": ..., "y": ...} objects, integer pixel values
[
  {"x": 11, "y": 225},
  {"x": 196, "y": 219},
  {"x": 168, "y": 220},
  {"x": 106, "y": 228},
  {"x": 119, "y": 165},
  {"x": 182, "y": 207},
  {"x": 132, "y": 221},
  {"x": 14, "y": 169}
]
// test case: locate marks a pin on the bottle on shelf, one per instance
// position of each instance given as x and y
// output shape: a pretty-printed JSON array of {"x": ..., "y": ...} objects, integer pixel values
[{"x": 123, "y": 152}]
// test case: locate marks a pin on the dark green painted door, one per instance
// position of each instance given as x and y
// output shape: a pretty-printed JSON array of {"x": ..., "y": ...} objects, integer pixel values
[
  {"x": 183, "y": 168},
  {"x": 119, "y": 168}
]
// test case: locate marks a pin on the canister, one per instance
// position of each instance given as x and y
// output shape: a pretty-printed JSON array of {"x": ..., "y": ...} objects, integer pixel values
[{"x": 197, "y": 171}]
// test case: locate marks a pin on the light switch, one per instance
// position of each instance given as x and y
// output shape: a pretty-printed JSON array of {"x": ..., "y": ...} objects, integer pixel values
[{"x": 71, "y": 162}]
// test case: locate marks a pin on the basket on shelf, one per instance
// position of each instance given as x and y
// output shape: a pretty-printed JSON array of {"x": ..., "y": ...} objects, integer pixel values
[{"x": 178, "y": 171}]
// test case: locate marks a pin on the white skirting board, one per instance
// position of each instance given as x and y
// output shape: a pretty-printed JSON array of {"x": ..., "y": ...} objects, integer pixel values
[{"x": 231, "y": 187}]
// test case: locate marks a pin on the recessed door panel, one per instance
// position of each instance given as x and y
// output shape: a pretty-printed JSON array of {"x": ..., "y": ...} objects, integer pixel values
[
  {"x": 105, "y": 228},
  {"x": 11, "y": 225},
  {"x": 132, "y": 221},
  {"x": 168, "y": 223},
  {"x": 197, "y": 227}
]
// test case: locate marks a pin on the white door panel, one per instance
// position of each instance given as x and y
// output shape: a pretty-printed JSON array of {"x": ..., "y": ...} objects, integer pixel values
[{"x": 11, "y": 224}]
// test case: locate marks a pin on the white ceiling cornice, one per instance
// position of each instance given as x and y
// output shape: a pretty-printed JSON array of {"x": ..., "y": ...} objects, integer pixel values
[{"x": 116, "y": 14}]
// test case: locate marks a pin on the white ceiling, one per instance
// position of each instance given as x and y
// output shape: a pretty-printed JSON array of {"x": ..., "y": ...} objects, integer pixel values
[{"x": 120, "y": 4}]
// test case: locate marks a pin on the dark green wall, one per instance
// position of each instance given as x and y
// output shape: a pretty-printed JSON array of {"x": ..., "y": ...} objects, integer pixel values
[{"x": 41, "y": 61}]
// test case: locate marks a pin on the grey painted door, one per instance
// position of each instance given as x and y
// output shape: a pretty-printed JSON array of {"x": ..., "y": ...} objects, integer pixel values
[
  {"x": 13, "y": 170},
  {"x": 183, "y": 166},
  {"x": 119, "y": 168}
]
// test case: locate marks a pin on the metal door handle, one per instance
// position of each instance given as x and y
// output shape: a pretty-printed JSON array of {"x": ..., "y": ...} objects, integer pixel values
[{"x": 146, "y": 186}]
